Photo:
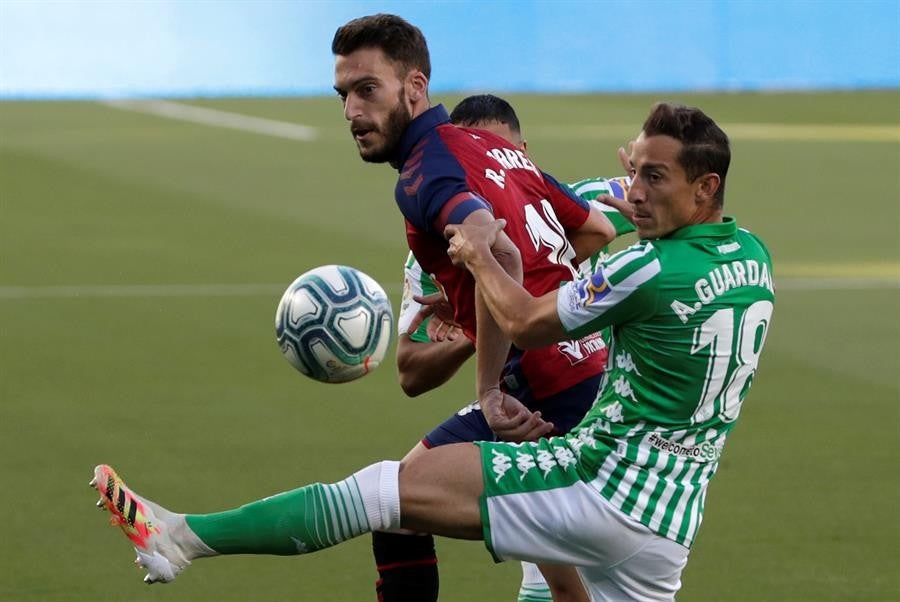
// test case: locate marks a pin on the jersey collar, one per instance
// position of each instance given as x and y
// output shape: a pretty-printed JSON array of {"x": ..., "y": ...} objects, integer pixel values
[
  {"x": 724, "y": 229},
  {"x": 416, "y": 129}
]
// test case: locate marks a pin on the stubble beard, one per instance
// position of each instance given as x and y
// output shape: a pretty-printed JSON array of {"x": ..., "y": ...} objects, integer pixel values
[{"x": 394, "y": 126}]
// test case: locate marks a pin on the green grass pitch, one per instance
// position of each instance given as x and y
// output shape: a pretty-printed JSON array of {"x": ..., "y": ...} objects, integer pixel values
[{"x": 121, "y": 342}]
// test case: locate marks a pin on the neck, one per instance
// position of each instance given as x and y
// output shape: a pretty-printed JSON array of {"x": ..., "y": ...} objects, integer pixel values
[
  {"x": 707, "y": 215},
  {"x": 419, "y": 107}
]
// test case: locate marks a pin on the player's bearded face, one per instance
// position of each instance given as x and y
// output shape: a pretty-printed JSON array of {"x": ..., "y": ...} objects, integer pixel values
[{"x": 378, "y": 141}]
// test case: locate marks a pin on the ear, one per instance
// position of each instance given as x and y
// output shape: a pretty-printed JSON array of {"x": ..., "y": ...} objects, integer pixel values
[
  {"x": 417, "y": 86},
  {"x": 524, "y": 145},
  {"x": 707, "y": 186}
]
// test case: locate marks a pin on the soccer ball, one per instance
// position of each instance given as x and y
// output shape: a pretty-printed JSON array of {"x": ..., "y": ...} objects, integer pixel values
[{"x": 334, "y": 324}]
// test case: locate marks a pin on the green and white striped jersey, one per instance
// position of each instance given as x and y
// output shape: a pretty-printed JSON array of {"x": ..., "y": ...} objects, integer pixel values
[
  {"x": 589, "y": 190},
  {"x": 415, "y": 282},
  {"x": 690, "y": 313}
]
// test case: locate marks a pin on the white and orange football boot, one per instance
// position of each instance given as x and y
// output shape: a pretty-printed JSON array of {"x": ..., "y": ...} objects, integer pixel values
[{"x": 146, "y": 524}]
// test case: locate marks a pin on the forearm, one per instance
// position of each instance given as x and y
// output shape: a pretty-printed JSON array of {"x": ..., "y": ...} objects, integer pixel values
[
  {"x": 527, "y": 320},
  {"x": 492, "y": 348},
  {"x": 426, "y": 366},
  {"x": 586, "y": 244},
  {"x": 596, "y": 233}
]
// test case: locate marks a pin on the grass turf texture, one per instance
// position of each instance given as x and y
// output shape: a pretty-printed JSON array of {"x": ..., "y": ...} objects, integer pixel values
[{"x": 186, "y": 393}]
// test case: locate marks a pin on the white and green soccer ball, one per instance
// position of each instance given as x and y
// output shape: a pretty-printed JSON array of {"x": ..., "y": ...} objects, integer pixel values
[{"x": 334, "y": 324}]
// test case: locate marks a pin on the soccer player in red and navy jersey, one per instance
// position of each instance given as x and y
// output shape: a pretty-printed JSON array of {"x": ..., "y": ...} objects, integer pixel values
[{"x": 451, "y": 175}]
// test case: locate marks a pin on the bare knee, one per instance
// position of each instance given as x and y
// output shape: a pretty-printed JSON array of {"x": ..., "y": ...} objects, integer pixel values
[
  {"x": 565, "y": 583},
  {"x": 440, "y": 490}
]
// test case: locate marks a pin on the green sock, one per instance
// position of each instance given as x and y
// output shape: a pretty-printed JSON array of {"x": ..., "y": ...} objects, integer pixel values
[{"x": 307, "y": 519}]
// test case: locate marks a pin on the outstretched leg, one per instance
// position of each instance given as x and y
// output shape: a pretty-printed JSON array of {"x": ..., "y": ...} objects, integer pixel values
[
  {"x": 437, "y": 492},
  {"x": 303, "y": 520}
]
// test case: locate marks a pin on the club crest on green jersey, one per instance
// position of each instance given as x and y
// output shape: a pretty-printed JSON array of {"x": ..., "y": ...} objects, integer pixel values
[
  {"x": 593, "y": 289},
  {"x": 618, "y": 187}
]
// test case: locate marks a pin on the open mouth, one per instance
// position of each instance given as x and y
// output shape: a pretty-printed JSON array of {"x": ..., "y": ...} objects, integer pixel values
[{"x": 359, "y": 132}]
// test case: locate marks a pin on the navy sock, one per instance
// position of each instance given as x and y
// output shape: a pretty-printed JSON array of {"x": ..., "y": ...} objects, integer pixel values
[{"x": 407, "y": 567}]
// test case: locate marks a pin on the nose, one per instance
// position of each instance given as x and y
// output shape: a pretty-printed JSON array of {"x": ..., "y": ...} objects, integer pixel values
[
  {"x": 351, "y": 108},
  {"x": 636, "y": 193}
]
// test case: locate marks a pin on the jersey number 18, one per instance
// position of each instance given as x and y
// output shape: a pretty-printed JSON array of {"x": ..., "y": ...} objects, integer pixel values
[{"x": 723, "y": 390}]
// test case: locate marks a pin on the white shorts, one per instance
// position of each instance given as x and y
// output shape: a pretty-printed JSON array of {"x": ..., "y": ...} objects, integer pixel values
[{"x": 618, "y": 558}]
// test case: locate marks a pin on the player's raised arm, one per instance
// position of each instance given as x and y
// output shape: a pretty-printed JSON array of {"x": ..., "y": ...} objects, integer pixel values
[
  {"x": 529, "y": 321},
  {"x": 594, "y": 234}
]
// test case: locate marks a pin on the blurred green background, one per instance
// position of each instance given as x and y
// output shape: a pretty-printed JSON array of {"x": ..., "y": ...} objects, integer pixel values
[{"x": 141, "y": 259}]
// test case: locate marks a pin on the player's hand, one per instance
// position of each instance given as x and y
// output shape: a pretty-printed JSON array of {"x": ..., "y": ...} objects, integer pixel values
[
  {"x": 438, "y": 312},
  {"x": 511, "y": 420},
  {"x": 469, "y": 241},
  {"x": 436, "y": 306},
  {"x": 439, "y": 331},
  {"x": 622, "y": 205}
]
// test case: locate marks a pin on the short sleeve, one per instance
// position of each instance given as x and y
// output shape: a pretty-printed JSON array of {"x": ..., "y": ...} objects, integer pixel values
[
  {"x": 592, "y": 188},
  {"x": 623, "y": 289}
]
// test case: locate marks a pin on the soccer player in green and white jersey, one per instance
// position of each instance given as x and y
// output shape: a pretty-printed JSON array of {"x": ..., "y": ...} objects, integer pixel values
[
  {"x": 691, "y": 305},
  {"x": 622, "y": 495}
]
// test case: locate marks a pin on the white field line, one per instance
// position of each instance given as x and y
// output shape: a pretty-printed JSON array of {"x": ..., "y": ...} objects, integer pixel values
[
  {"x": 213, "y": 117},
  {"x": 886, "y": 132},
  {"x": 89, "y": 291},
  {"x": 139, "y": 290}
]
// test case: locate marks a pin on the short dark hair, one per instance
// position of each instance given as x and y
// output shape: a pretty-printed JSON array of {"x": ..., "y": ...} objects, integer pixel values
[
  {"x": 479, "y": 108},
  {"x": 705, "y": 146},
  {"x": 401, "y": 41}
]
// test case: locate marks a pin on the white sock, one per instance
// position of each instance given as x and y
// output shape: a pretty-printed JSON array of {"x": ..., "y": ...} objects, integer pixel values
[
  {"x": 534, "y": 587},
  {"x": 379, "y": 487}
]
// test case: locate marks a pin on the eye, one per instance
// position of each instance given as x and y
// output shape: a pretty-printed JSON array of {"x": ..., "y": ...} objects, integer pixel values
[{"x": 654, "y": 177}]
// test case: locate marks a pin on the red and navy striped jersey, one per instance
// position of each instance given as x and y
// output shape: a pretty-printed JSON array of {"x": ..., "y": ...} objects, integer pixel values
[{"x": 446, "y": 173}]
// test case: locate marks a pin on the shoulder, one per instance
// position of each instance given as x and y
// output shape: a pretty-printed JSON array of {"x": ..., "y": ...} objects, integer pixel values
[
  {"x": 590, "y": 188},
  {"x": 640, "y": 263},
  {"x": 748, "y": 238},
  {"x": 431, "y": 175},
  {"x": 461, "y": 140}
]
